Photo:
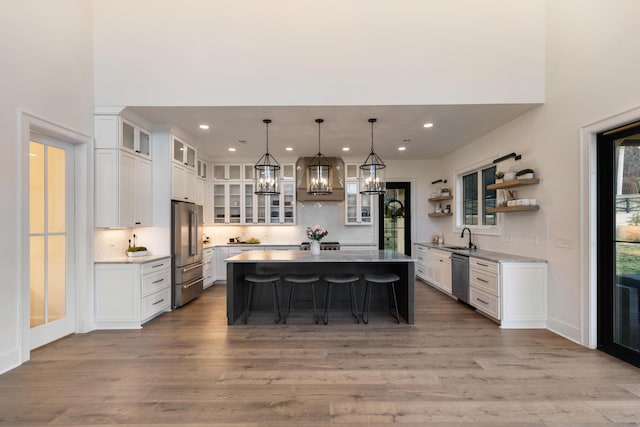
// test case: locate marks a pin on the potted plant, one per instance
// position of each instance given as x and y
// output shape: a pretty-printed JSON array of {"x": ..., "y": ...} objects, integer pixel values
[
  {"x": 444, "y": 191},
  {"x": 499, "y": 177}
]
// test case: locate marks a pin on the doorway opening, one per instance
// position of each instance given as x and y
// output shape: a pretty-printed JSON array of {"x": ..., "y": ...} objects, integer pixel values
[
  {"x": 395, "y": 212},
  {"x": 618, "y": 248}
]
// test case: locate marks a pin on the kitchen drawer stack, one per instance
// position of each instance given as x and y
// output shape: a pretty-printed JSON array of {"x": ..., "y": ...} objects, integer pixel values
[
  {"x": 484, "y": 286},
  {"x": 129, "y": 294},
  {"x": 208, "y": 270}
]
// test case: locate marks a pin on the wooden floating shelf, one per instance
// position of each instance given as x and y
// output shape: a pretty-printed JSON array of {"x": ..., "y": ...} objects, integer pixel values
[
  {"x": 513, "y": 183},
  {"x": 433, "y": 214},
  {"x": 440, "y": 198},
  {"x": 514, "y": 209}
]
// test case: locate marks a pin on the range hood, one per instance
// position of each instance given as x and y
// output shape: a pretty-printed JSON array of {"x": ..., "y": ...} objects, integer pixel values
[{"x": 338, "y": 181}]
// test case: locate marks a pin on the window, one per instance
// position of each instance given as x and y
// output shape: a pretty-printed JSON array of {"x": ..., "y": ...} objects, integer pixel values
[{"x": 476, "y": 199}]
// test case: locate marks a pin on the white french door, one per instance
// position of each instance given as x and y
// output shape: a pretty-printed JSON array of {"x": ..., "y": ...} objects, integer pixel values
[{"x": 51, "y": 242}]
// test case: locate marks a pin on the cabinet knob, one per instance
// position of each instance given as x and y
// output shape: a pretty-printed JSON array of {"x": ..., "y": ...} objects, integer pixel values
[{"x": 138, "y": 223}]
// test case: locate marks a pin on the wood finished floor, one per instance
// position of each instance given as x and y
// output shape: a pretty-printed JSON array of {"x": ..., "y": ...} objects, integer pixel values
[{"x": 452, "y": 367}]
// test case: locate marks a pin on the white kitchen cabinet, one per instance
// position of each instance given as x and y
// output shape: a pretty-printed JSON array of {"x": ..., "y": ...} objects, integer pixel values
[
  {"x": 201, "y": 168},
  {"x": 358, "y": 207},
  {"x": 129, "y": 294},
  {"x": 227, "y": 172},
  {"x": 234, "y": 201},
  {"x": 183, "y": 154},
  {"x": 115, "y": 132},
  {"x": 227, "y": 203},
  {"x": 123, "y": 189},
  {"x": 183, "y": 183},
  {"x": 434, "y": 267},
  {"x": 512, "y": 293},
  {"x": 209, "y": 267},
  {"x": 421, "y": 254}
]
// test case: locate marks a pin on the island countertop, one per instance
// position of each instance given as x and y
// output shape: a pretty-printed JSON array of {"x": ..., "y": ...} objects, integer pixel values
[{"x": 363, "y": 255}]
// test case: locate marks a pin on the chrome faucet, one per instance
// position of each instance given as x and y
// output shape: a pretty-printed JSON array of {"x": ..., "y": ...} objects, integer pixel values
[{"x": 471, "y": 245}]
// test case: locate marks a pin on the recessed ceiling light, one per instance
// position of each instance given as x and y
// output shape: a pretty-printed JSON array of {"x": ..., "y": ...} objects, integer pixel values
[
  {"x": 345, "y": 148},
  {"x": 204, "y": 127},
  {"x": 289, "y": 148},
  {"x": 428, "y": 125},
  {"x": 402, "y": 148},
  {"x": 232, "y": 149}
]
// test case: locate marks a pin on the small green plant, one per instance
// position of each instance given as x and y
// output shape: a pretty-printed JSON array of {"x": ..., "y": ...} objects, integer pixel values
[
  {"x": 499, "y": 175},
  {"x": 635, "y": 219},
  {"x": 524, "y": 171},
  {"x": 136, "y": 249}
]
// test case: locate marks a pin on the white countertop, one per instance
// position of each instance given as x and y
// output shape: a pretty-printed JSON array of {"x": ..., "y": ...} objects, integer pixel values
[
  {"x": 373, "y": 255},
  {"x": 131, "y": 260},
  {"x": 480, "y": 253}
]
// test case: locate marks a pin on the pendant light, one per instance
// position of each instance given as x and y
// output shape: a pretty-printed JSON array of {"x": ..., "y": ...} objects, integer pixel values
[
  {"x": 266, "y": 171},
  {"x": 319, "y": 174},
  {"x": 372, "y": 171}
]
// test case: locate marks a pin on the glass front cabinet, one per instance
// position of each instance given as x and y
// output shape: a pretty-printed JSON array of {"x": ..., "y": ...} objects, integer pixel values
[
  {"x": 358, "y": 207},
  {"x": 236, "y": 203}
]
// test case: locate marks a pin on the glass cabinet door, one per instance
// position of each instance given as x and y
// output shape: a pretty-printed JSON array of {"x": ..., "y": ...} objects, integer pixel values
[
  {"x": 219, "y": 216},
  {"x": 248, "y": 173},
  {"x": 191, "y": 157},
  {"x": 144, "y": 146},
  {"x": 178, "y": 151},
  {"x": 248, "y": 203},
  {"x": 352, "y": 203},
  {"x": 262, "y": 209},
  {"x": 219, "y": 173},
  {"x": 274, "y": 209},
  {"x": 288, "y": 198},
  {"x": 365, "y": 208},
  {"x": 234, "y": 203},
  {"x": 235, "y": 172},
  {"x": 128, "y": 136}
]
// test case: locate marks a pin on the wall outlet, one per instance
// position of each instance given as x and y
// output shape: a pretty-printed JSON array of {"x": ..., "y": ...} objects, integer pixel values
[{"x": 563, "y": 243}]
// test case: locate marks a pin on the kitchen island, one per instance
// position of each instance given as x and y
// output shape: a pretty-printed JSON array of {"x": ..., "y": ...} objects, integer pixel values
[{"x": 327, "y": 262}]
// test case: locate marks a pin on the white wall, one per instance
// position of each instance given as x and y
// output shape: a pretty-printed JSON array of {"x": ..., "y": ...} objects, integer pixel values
[
  {"x": 333, "y": 52},
  {"x": 46, "y": 68},
  {"x": 591, "y": 75}
]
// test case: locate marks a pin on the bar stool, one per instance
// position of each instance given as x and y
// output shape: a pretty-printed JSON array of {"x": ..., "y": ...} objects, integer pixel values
[
  {"x": 263, "y": 279},
  {"x": 343, "y": 279},
  {"x": 382, "y": 279},
  {"x": 302, "y": 279}
]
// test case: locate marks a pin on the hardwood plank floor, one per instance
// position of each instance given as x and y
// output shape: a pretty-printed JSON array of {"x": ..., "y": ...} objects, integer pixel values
[{"x": 452, "y": 367}]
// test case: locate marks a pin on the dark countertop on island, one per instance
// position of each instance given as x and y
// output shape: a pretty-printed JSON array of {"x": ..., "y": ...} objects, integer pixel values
[{"x": 266, "y": 256}]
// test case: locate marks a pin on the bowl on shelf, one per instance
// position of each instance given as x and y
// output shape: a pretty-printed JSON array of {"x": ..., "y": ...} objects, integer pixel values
[
  {"x": 526, "y": 176},
  {"x": 509, "y": 176}
]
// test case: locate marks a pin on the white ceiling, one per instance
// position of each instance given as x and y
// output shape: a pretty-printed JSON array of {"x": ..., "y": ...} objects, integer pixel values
[{"x": 344, "y": 126}]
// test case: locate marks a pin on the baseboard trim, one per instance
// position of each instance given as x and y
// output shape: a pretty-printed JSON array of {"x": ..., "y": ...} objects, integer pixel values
[
  {"x": 564, "y": 329},
  {"x": 9, "y": 361}
]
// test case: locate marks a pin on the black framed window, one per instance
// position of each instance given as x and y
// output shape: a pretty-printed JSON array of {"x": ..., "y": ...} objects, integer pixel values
[{"x": 476, "y": 199}]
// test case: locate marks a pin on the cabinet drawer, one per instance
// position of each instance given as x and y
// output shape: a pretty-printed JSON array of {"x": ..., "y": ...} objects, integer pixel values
[
  {"x": 480, "y": 264},
  {"x": 421, "y": 272},
  {"x": 153, "y": 282},
  {"x": 485, "y": 302},
  {"x": 155, "y": 303},
  {"x": 484, "y": 280},
  {"x": 160, "y": 264}
]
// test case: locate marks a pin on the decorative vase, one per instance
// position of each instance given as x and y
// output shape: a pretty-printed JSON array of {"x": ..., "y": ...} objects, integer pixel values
[{"x": 315, "y": 247}]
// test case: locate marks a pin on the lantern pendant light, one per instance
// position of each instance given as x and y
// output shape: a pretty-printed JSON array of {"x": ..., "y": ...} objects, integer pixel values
[
  {"x": 266, "y": 171},
  {"x": 319, "y": 173},
  {"x": 372, "y": 171}
]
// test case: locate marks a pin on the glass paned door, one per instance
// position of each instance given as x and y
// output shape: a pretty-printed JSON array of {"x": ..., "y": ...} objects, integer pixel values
[
  {"x": 395, "y": 214},
  {"x": 627, "y": 252},
  {"x": 619, "y": 242},
  {"x": 49, "y": 219}
]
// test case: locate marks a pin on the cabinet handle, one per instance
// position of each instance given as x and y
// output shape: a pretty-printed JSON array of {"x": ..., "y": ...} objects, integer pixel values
[
  {"x": 138, "y": 151},
  {"x": 138, "y": 223},
  {"x": 157, "y": 265},
  {"x": 186, "y": 164},
  {"x": 484, "y": 302},
  {"x": 441, "y": 260},
  {"x": 158, "y": 281},
  {"x": 482, "y": 265},
  {"x": 158, "y": 302},
  {"x": 481, "y": 280}
]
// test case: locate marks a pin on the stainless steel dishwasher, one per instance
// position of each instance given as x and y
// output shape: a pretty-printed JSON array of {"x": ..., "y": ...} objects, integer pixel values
[{"x": 460, "y": 277}]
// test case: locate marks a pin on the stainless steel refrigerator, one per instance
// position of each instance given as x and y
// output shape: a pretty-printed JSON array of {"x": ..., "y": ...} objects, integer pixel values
[{"x": 186, "y": 257}]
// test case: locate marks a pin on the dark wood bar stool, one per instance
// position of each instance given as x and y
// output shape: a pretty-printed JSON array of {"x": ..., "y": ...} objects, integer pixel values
[
  {"x": 302, "y": 279},
  {"x": 253, "y": 279},
  {"x": 344, "y": 279},
  {"x": 389, "y": 279}
]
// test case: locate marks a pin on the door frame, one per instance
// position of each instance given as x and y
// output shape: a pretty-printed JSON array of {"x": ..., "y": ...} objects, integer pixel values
[
  {"x": 589, "y": 224},
  {"x": 82, "y": 228},
  {"x": 412, "y": 212}
]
